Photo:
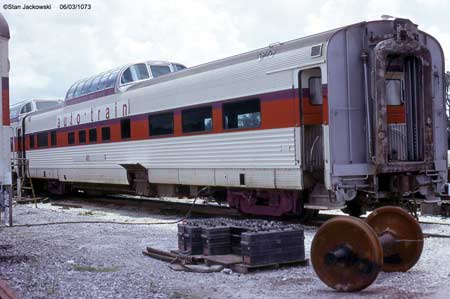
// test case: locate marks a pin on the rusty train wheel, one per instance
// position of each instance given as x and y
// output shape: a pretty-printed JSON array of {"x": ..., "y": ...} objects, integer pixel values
[
  {"x": 346, "y": 254},
  {"x": 404, "y": 253}
]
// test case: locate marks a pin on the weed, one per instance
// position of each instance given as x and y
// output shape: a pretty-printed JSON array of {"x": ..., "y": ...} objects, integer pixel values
[{"x": 84, "y": 268}]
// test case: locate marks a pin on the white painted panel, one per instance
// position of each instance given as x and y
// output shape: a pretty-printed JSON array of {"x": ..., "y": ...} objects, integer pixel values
[
  {"x": 163, "y": 176},
  {"x": 95, "y": 157},
  {"x": 287, "y": 178},
  {"x": 260, "y": 178},
  {"x": 228, "y": 177},
  {"x": 33, "y": 173},
  {"x": 327, "y": 155},
  {"x": 45, "y": 173},
  {"x": 97, "y": 175},
  {"x": 197, "y": 177},
  {"x": 80, "y": 158}
]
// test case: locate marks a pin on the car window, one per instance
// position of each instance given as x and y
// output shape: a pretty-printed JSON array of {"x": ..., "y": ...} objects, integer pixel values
[
  {"x": 159, "y": 70},
  {"x": 27, "y": 108},
  {"x": 41, "y": 105},
  {"x": 14, "y": 112}
]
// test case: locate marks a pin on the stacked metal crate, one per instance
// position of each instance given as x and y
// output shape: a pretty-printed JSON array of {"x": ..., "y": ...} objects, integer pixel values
[
  {"x": 271, "y": 247},
  {"x": 190, "y": 239},
  {"x": 216, "y": 240},
  {"x": 259, "y": 242}
]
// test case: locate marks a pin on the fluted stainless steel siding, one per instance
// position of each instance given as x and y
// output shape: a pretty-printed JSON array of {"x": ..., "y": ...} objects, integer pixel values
[
  {"x": 267, "y": 157},
  {"x": 398, "y": 150}
]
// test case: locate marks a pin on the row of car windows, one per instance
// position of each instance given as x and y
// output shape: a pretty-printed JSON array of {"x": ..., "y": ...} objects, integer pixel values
[
  {"x": 42, "y": 138},
  {"x": 236, "y": 115},
  {"x": 140, "y": 72}
]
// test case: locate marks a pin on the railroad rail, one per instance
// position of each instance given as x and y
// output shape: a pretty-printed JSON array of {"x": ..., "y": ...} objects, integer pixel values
[
  {"x": 180, "y": 207},
  {"x": 324, "y": 218},
  {"x": 152, "y": 204}
]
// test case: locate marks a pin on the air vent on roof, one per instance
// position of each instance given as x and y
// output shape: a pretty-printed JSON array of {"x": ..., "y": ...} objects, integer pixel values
[{"x": 316, "y": 50}]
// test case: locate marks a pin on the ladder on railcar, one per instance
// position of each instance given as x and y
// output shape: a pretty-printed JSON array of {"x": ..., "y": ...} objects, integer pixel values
[{"x": 24, "y": 182}]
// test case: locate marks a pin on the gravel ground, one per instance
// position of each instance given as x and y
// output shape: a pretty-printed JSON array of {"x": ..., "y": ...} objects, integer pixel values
[{"x": 105, "y": 261}]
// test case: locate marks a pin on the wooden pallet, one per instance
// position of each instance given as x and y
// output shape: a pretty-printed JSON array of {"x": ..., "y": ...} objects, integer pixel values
[
  {"x": 226, "y": 260},
  {"x": 235, "y": 262},
  {"x": 244, "y": 268}
]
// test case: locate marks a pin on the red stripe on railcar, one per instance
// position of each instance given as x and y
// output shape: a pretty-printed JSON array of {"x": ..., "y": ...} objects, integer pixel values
[
  {"x": 278, "y": 110},
  {"x": 139, "y": 129},
  {"x": 5, "y": 101},
  {"x": 217, "y": 115},
  {"x": 312, "y": 114},
  {"x": 315, "y": 114},
  {"x": 278, "y": 114}
]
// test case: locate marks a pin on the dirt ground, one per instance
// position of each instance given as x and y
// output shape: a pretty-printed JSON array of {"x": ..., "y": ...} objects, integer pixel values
[{"x": 106, "y": 261}]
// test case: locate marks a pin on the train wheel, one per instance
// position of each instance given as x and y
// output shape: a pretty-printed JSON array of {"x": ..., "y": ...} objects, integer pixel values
[
  {"x": 346, "y": 254},
  {"x": 403, "y": 252}
]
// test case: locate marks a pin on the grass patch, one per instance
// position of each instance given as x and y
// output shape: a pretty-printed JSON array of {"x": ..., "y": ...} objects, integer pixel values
[
  {"x": 84, "y": 268},
  {"x": 86, "y": 213}
]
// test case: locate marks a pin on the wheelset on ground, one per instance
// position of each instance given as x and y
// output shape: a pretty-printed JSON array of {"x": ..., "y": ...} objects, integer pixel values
[{"x": 347, "y": 253}]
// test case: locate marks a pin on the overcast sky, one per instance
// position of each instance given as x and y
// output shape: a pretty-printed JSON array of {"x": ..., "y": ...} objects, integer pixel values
[{"x": 49, "y": 50}]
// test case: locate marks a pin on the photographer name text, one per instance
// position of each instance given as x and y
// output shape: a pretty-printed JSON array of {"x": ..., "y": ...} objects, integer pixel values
[{"x": 62, "y": 6}]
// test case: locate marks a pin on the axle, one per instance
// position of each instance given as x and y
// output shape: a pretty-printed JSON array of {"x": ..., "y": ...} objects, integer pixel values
[{"x": 348, "y": 253}]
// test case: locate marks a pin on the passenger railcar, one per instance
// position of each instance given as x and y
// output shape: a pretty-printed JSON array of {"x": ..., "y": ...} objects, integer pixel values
[
  {"x": 350, "y": 116},
  {"x": 18, "y": 110}
]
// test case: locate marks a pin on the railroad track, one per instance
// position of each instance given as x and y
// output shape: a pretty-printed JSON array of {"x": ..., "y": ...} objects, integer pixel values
[
  {"x": 150, "y": 204},
  {"x": 176, "y": 207},
  {"x": 437, "y": 223},
  {"x": 321, "y": 219}
]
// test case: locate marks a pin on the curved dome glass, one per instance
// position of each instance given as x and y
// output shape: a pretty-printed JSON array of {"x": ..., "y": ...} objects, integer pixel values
[
  {"x": 130, "y": 74},
  {"x": 102, "y": 81}
]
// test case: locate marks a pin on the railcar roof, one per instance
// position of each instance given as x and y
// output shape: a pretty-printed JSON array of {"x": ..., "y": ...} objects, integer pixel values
[
  {"x": 311, "y": 40},
  {"x": 20, "y": 103},
  {"x": 303, "y": 42},
  {"x": 98, "y": 83}
]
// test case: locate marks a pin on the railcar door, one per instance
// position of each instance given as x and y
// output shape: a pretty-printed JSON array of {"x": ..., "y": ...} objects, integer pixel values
[
  {"x": 405, "y": 106},
  {"x": 312, "y": 116},
  {"x": 396, "y": 116}
]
